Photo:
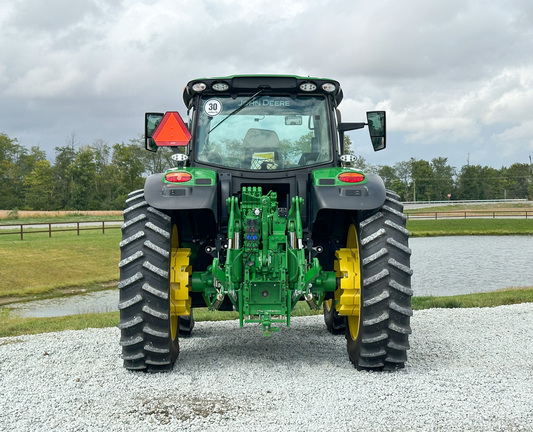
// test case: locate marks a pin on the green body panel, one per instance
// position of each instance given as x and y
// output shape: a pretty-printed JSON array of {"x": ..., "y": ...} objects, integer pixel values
[
  {"x": 230, "y": 77},
  {"x": 266, "y": 270}
]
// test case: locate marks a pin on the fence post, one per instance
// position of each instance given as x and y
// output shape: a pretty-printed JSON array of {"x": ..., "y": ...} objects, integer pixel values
[
  {"x": 49, "y": 230},
  {"x": 103, "y": 227},
  {"x": 78, "y": 227},
  {"x": 21, "y": 231}
]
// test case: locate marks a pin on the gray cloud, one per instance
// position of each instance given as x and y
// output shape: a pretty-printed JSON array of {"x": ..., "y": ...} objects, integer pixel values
[{"x": 456, "y": 77}]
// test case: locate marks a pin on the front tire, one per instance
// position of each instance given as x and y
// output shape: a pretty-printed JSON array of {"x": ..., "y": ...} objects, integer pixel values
[
  {"x": 186, "y": 324},
  {"x": 378, "y": 338},
  {"x": 335, "y": 323},
  {"x": 149, "y": 337}
]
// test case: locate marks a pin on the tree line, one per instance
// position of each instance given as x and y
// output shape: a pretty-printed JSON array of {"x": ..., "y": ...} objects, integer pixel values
[
  {"x": 100, "y": 176},
  {"x": 436, "y": 180},
  {"x": 82, "y": 177}
]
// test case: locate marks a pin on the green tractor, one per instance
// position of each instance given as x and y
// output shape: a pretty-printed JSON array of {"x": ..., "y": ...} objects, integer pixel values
[{"x": 264, "y": 209}]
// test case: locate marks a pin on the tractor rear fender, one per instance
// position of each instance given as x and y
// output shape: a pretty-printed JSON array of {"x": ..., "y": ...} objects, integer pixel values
[
  {"x": 166, "y": 196},
  {"x": 367, "y": 196}
]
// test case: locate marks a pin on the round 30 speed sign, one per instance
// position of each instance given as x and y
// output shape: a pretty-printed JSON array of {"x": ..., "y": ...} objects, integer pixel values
[{"x": 212, "y": 107}]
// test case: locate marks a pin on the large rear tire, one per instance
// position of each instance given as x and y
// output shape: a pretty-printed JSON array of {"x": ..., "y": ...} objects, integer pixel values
[
  {"x": 149, "y": 335},
  {"x": 378, "y": 338}
]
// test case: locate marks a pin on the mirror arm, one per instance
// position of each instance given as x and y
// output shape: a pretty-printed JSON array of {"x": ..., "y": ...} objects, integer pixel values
[{"x": 343, "y": 127}]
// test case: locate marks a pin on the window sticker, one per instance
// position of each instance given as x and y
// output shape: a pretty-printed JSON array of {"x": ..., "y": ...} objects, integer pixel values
[{"x": 212, "y": 107}]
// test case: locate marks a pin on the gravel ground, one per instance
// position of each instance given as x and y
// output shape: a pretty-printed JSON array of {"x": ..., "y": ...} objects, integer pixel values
[{"x": 468, "y": 370}]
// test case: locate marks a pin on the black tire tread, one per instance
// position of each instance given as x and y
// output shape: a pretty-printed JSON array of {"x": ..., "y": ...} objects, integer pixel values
[
  {"x": 335, "y": 323},
  {"x": 386, "y": 291},
  {"x": 143, "y": 288},
  {"x": 186, "y": 324}
]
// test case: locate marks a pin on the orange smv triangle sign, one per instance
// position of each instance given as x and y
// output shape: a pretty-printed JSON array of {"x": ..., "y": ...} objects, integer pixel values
[{"x": 171, "y": 131}]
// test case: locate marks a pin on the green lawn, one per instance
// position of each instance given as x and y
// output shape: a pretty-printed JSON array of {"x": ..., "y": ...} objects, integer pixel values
[
  {"x": 39, "y": 265},
  {"x": 488, "y": 299},
  {"x": 472, "y": 226}
]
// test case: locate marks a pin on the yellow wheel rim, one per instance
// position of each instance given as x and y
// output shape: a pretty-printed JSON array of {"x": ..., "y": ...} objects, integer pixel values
[
  {"x": 180, "y": 270},
  {"x": 348, "y": 270},
  {"x": 173, "y": 317},
  {"x": 351, "y": 238}
]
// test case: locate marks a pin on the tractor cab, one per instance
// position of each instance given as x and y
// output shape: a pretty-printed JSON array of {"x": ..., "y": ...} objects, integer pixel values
[{"x": 264, "y": 123}]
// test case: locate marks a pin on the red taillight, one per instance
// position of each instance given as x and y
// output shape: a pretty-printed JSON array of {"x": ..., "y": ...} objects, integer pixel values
[
  {"x": 178, "y": 177},
  {"x": 351, "y": 177}
]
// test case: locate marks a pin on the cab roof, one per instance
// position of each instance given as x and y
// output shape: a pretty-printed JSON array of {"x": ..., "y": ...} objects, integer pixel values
[{"x": 234, "y": 84}]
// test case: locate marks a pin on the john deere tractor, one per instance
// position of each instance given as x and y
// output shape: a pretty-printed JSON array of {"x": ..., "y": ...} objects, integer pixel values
[{"x": 263, "y": 209}]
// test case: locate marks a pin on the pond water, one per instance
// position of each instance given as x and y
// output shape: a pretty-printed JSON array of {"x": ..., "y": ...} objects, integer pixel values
[
  {"x": 99, "y": 301},
  {"x": 467, "y": 264},
  {"x": 442, "y": 266}
]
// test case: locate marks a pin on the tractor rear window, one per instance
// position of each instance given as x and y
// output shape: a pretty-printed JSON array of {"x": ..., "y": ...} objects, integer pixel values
[{"x": 263, "y": 132}]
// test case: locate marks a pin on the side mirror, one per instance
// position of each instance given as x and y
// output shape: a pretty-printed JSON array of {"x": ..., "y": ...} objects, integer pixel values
[
  {"x": 377, "y": 129},
  {"x": 151, "y": 122}
]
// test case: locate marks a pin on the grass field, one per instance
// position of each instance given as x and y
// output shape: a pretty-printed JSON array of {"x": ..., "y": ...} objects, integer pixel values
[
  {"x": 40, "y": 265},
  {"x": 446, "y": 227}
]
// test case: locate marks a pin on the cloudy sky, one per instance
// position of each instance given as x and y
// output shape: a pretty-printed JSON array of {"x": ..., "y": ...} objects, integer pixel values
[{"x": 455, "y": 76}]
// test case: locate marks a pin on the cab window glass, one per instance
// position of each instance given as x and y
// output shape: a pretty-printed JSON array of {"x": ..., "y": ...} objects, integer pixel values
[{"x": 265, "y": 133}]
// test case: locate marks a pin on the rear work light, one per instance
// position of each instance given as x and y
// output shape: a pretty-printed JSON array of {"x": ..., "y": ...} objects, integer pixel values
[
  {"x": 220, "y": 86},
  {"x": 308, "y": 86},
  {"x": 199, "y": 87},
  {"x": 351, "y": 177},
  {"x": 178, "y": 177}
]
